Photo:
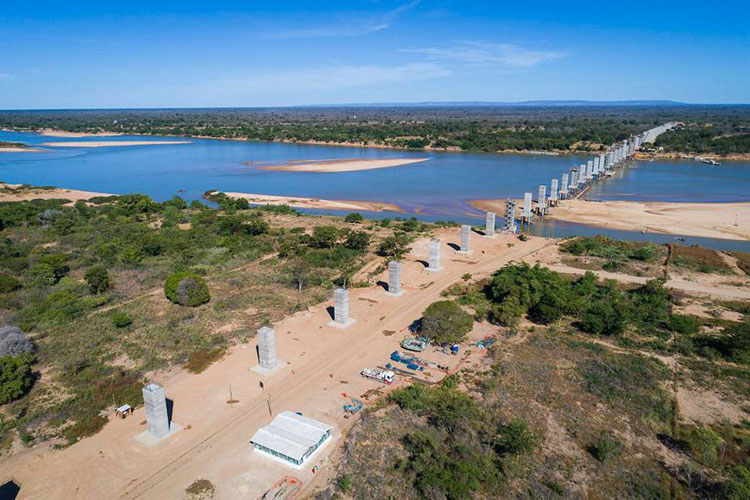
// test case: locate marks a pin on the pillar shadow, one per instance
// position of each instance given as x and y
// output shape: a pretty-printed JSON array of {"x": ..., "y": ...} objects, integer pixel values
[
  {"x": 423, "y": 262},
  {"x": 170, "y": 410},
  {"x": 257, "y": 352},
  {"x": 384, "y": 285},
  {"x": 454, "y": 246},
  {"x": 479, "y": 231},
  {"x": 330, "y": 311},
  {"x": 9, "y": 490}
]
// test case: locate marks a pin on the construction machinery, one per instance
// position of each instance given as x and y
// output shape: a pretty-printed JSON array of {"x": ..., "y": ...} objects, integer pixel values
[{"x": 382, "y": 376}]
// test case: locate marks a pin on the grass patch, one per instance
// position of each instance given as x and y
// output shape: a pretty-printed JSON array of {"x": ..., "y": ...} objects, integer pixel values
[
  {"x": 201, "y": 359},
  {"x": 695, "y": 258}
]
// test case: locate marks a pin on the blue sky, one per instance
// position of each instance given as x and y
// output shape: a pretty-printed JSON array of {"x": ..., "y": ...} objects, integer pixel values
[{"x": 198, "y": 53}]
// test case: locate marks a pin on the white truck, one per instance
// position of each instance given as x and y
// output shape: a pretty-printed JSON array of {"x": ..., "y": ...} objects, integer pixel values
[{"x": 383, "y": 376}]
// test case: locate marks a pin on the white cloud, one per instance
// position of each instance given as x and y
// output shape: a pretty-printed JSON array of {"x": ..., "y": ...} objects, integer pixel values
[
  {"x": 349, "y": 28},
  {"x": 504, "y": 54},
  {"x": 323, "y": 78}
]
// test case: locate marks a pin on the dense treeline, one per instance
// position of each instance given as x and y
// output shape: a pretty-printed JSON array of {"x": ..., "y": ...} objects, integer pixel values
[
  {"x": 472, "y": 128},
  {"x": 721, "y": 138}
]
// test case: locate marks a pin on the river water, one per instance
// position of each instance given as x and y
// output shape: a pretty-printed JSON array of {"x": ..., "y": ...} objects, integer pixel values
[{"x": 432, "y": 190}]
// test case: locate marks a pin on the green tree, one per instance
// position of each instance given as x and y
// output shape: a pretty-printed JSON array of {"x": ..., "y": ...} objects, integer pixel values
[
  {"x": 444, "y": 321},
  {"x": 186, "y": 289},
  {"x": 394, "y": 246},
  {"x": 354, "y": 217},
  {"x": 97, "y": 278},
  {"x": 357, "y": 240},
  {"x": 15, "y": 376},
  {"x": 324, "y": 237}
]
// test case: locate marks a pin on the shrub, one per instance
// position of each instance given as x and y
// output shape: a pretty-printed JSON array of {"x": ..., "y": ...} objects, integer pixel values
[
  {"x": 186, "y": 289},
  {"x": 97, "y": 278},
  {"x": 444, "y": 321},
  {"x": 345, "y": 481},
  {"x": 683, "y": 324},
  {"x": 515, "y": 438},
  {"x": 354, "y": 218},
  {"x": 13, "y": 342},
  {"x": 84, "y": 427},
  {"x": 737, "y": 487},
  {"x": 121, "y": 320},
  {"x": 8, "y": 283},
  {"x": 15, "y": 376},
  {"x": 509, "y": 312},
  {"x": 605, "y": 448},
  {"x": 357, "y": 240},
  {"x": 603, "y": 317}
]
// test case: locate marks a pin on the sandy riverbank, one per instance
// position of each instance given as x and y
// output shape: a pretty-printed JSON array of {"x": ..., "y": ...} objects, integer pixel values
[
  {"x": 104, "y": 144},
  {"x": 74, "y": 135},
  {"x": 20, "y": 192},
  {"x": 345, "y": 165},
  {"x": 708, "y": 220},
  {"x": 318, "y": 203},
  {"x": 18, "y": 150}
]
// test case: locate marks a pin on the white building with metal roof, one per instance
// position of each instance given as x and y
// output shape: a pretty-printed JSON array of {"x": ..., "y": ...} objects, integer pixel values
[{"x": 291, "y": 438}]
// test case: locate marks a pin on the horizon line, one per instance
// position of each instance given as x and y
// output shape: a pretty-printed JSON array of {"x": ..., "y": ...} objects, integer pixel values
[{"x": 472, "y": 103}]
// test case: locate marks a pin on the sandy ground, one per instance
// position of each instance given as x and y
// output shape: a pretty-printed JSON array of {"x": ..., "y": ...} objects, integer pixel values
[
  {"x": 62, "y": 133},
  {"x": 104, "y": 144},
  {"x": 19, "y": 150},
  {"x": 322, "y": 363},
  {"x": 694, "y": 284},
  {"x": 45, "y": 194},
  {"x": 349, "y": 165},
  {"x": 299, "y": 202},
  {"x": 708, "y": 220}
]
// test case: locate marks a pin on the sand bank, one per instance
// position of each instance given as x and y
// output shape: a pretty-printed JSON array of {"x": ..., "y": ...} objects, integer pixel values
[
  {"x": 72, "y": 135},
  {"x": 18, "y": 150},
  {"x": 20, "y": 192},
  {"x": 708, "y": 220},
  {"x": 104, "y": 144},
  {"x": 298, "y": 202},
  {"x": 345, "y": 165}
]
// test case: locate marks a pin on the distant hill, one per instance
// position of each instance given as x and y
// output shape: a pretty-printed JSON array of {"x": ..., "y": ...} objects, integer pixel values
[{"x": 551, "y": 103}]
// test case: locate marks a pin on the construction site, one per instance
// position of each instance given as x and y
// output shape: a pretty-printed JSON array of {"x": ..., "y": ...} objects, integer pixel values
[{"x": 333, "y": 366}]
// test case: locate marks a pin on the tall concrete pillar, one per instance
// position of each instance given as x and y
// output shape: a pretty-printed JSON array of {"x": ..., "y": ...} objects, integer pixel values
[
  {"x": 509, "y": 225},
  {"x": 564, "y": 187},
  {"x": 394, "y": 277},
  {"x": 156, "y": 410},
  {"x": 465, "y": 238},
  {"x": 582, "y": 174},
  {"x": 553, "y": 191},
  {"x": 341, "y": 306},
  {"x": 267, "y": 348},
  {"x": 596, "y": 165},
  {"x": 573, "y": 179},
  {"x": 589, "y": 170},
  {"x": 526, "y": 205},
  {"x": 434, "y": 262},
  {"x": 489, "y": 225},
  {"x": 542, "y": 199}
]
